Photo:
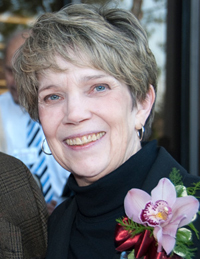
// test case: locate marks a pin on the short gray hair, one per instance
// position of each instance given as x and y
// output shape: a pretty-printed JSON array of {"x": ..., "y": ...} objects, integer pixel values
[{"x": 109, "y": 39}]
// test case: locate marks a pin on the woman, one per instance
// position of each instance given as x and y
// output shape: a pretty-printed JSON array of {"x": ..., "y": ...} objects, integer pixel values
[{"x": 93, "y": 77}]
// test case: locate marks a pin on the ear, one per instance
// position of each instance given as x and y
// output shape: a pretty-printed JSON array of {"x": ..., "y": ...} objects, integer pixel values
[{"x": 144, "y": 108}]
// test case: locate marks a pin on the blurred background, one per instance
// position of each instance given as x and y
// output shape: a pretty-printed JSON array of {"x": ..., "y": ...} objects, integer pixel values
[{"x": 173, "y": 29}]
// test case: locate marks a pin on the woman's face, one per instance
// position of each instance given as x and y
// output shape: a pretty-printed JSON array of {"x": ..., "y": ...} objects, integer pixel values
[{"x": 88, "y": 120}]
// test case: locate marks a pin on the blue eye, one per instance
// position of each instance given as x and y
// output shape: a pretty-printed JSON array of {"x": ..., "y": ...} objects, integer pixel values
[
  {"x": 53, "y": 97},
  {"x": 100, "y": 88}
]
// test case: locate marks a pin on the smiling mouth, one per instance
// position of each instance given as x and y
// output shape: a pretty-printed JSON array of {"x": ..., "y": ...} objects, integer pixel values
[{"x": 85, "y": 139}]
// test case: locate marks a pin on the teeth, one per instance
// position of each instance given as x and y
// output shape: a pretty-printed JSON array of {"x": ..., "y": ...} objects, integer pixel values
[
  {"x": 85, "y": 139},
  {"x": 78, "y": 141},
  {"x": 94, "y": 137}
]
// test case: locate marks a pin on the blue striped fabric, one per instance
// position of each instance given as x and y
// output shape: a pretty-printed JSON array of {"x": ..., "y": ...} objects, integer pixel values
[{"x": 39, "y": 167}]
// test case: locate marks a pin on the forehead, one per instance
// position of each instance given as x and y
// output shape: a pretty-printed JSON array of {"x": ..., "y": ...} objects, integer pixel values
[
  {"x": 84, "y": 68},
  {"x": 67, "y": 71}
]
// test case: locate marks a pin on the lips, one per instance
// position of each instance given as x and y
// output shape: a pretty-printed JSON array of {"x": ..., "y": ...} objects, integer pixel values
[{"x": 79, "y": 141}]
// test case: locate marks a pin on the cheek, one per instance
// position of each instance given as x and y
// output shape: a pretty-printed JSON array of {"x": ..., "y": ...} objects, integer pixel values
[
  {"x": 122, "y": 124},
  {"x": 125, "y": 114},
  {"x": 49, "y": 120},
  {"x": 43, "y": 115}
]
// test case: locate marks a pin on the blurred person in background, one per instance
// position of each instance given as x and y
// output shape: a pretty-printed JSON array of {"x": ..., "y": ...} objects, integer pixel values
[{"x": 22, "y": 137}]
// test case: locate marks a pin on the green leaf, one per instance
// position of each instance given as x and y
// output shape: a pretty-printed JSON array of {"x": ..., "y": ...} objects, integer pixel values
[
  {"x": 183, "y": 241},
  {"x": 131, "y": 255},
  {"x": 175, "y": 177},
  {"x": 184, "y": 251},
  {"x": 133, "y": 228},
  {"x": 191, "y": 225},
  {"x": 193, "y": 189},
  {"x": 181, "y": 190},
  {"x": 184, "y": 235}
]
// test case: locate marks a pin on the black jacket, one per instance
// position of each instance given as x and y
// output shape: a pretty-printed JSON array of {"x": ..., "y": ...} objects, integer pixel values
[{"x": 61, "y": 220}]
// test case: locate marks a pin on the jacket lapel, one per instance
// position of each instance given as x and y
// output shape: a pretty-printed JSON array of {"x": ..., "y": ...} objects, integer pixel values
[{"x": 162, "y": 167}]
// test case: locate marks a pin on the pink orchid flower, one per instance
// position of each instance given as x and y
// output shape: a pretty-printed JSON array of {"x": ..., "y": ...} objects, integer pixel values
[{"x": 162, "y": 210}]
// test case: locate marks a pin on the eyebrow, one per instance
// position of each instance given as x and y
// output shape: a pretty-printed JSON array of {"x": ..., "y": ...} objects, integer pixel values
[
  {"x": 84, "y": 79},
  {"x": 88, "y": 78},
  {"x": 44, "y": 88}
]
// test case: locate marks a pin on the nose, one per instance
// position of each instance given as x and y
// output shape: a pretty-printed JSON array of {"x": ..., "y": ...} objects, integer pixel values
[{"x": 77, "y": 109}]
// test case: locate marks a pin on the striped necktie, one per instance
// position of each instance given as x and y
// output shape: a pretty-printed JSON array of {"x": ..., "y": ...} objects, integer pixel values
[{"x": 39, "y": 167}]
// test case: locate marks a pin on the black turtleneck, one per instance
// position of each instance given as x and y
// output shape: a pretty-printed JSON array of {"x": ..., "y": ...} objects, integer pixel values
[{"x": 101, "y": 203}]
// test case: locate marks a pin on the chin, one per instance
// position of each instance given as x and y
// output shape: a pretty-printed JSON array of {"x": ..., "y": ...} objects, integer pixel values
[{"x": 89, "y": 176}]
